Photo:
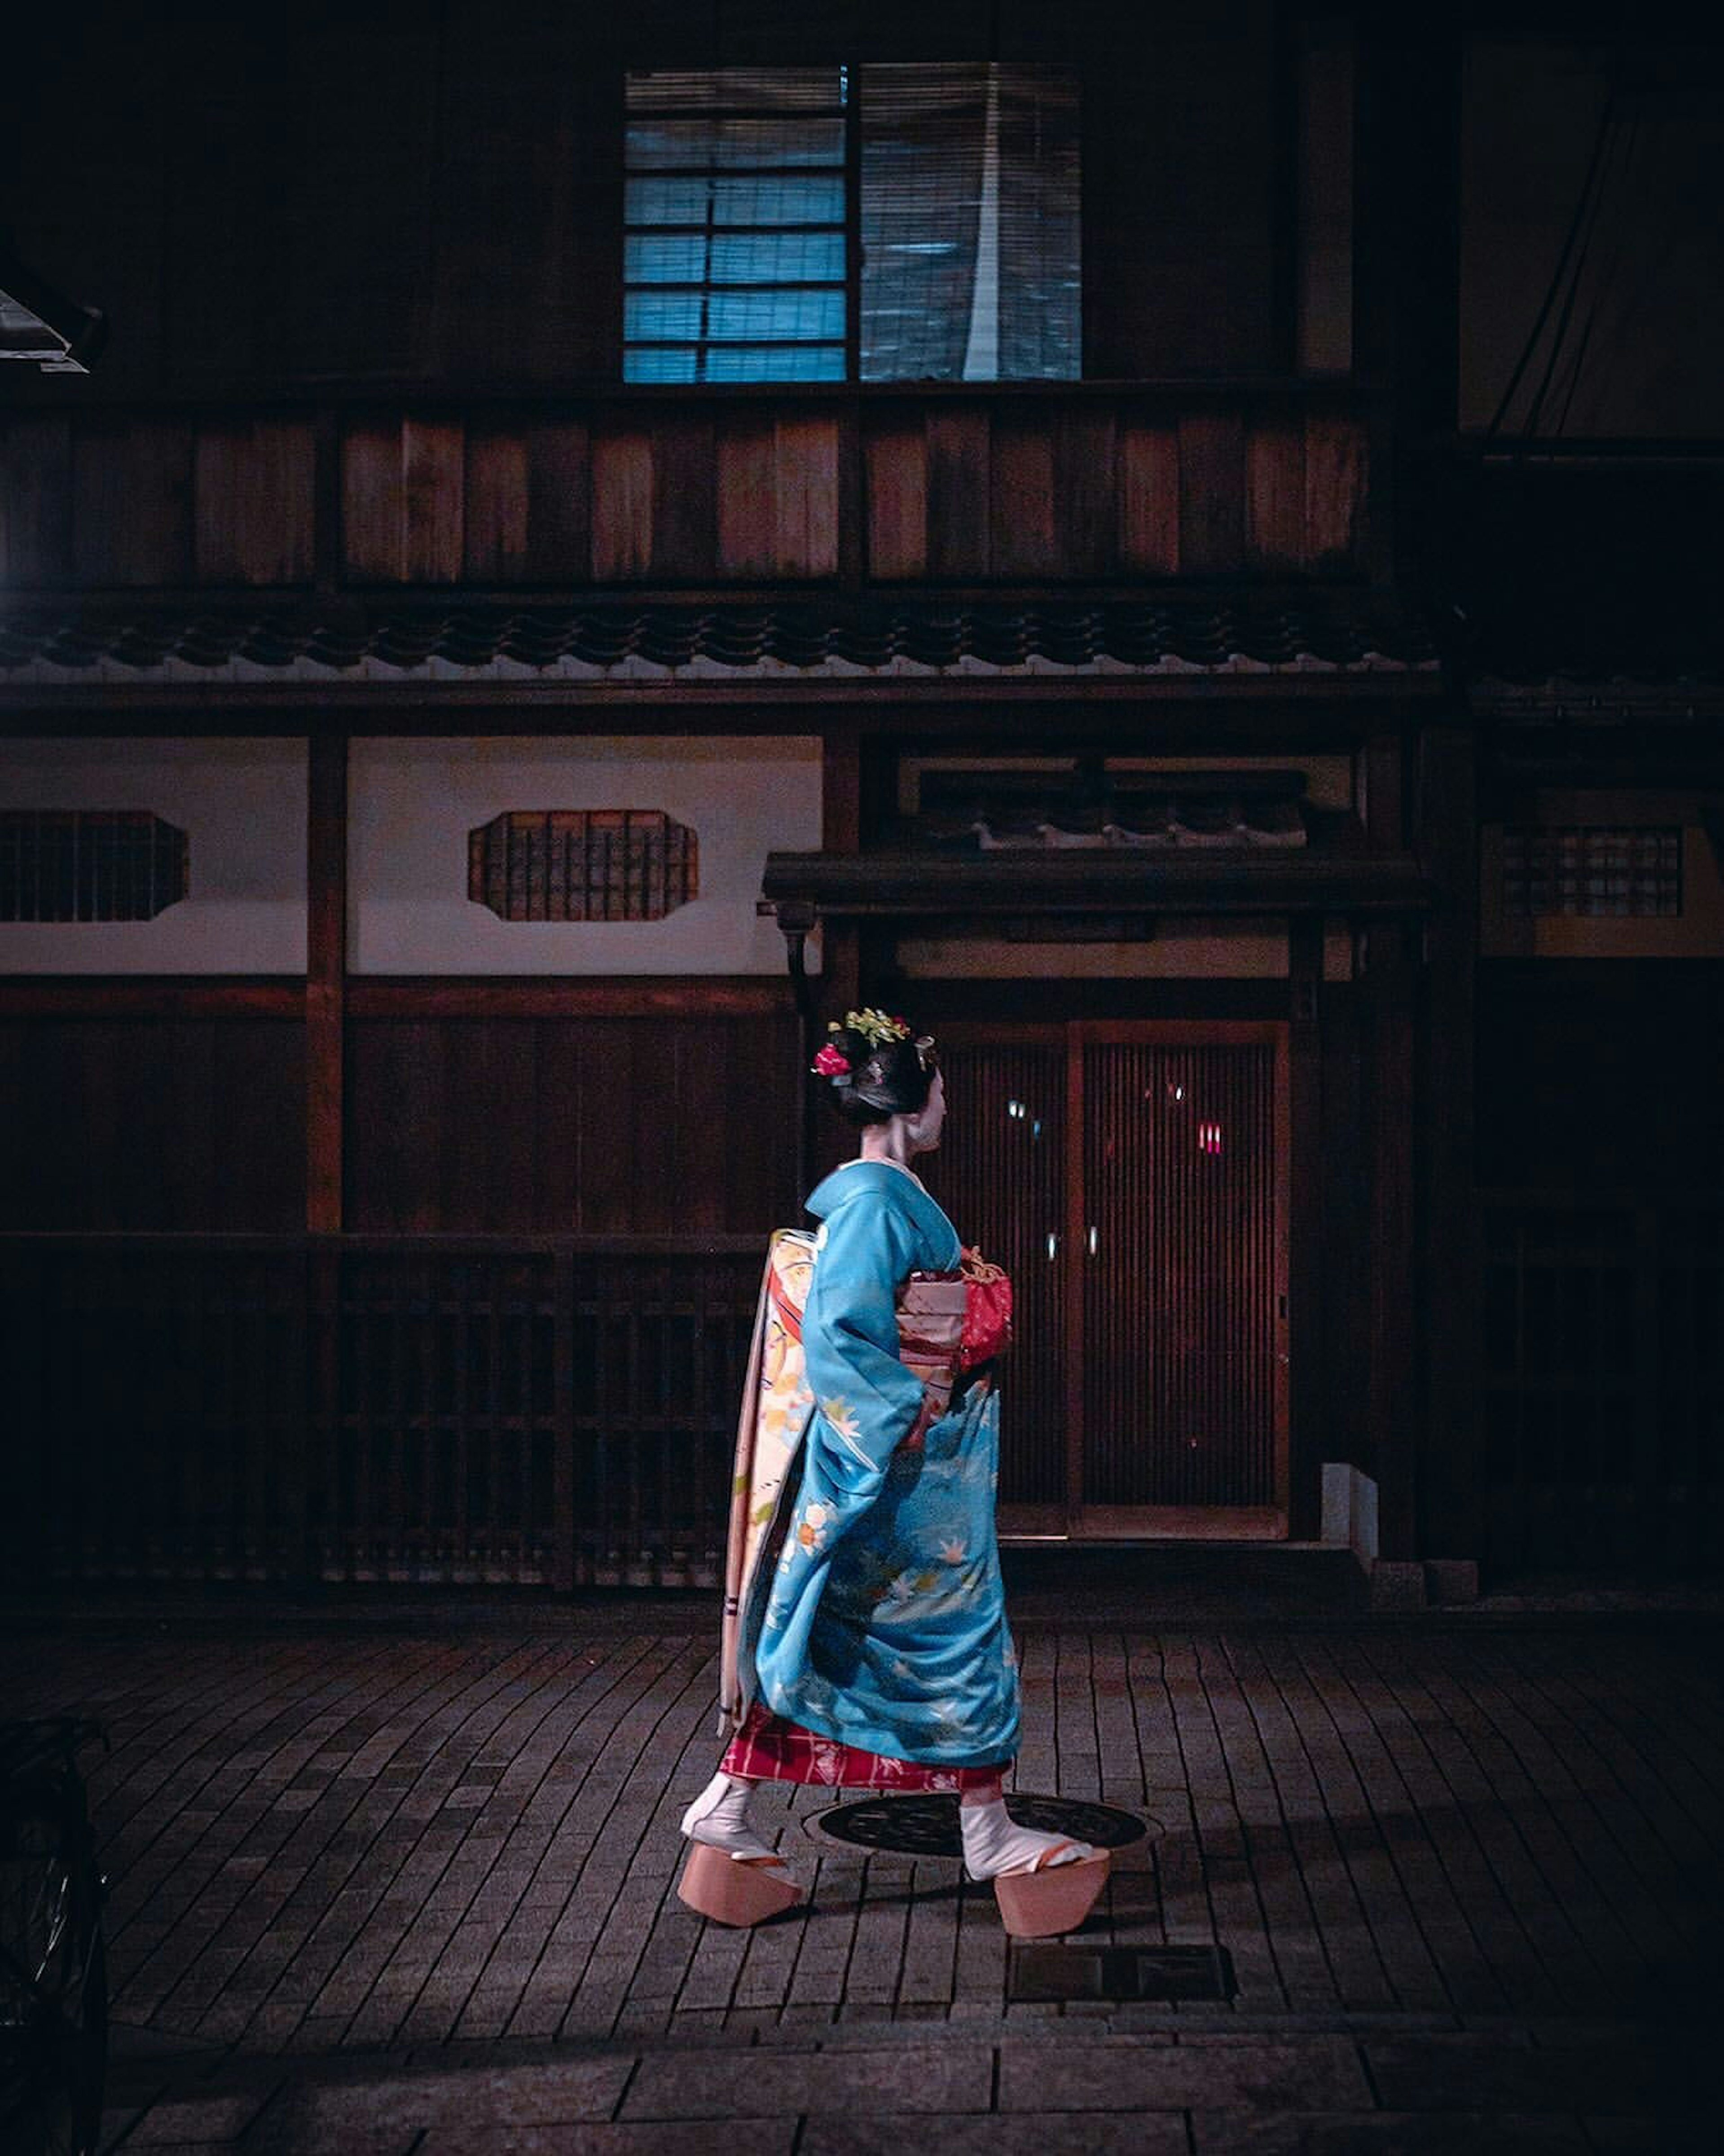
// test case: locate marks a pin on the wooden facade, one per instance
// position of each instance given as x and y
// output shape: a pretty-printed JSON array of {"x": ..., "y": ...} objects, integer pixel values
[
  {"x": 345, "y": 1273},
  {"x": 1079, "y": 484}
]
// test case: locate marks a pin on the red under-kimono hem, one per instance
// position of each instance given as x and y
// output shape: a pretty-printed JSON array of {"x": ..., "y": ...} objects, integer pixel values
[{"x": 769, "y": 1748}]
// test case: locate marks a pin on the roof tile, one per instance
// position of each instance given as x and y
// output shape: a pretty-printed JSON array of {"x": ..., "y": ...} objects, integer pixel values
[{"x": 1341, "y": 631}]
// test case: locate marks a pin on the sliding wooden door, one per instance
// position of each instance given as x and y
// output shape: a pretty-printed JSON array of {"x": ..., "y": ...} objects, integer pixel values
[
  {"x": 1000, "y": 1173},
  {"x": 1132, "y": 1179}
]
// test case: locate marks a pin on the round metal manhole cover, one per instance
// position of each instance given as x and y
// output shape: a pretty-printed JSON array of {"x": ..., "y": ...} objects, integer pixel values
[{"x": 927, "y": 1825}]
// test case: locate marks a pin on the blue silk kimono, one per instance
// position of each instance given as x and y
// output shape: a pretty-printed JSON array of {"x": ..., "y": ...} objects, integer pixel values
[{"x": 886, "y": 1626}]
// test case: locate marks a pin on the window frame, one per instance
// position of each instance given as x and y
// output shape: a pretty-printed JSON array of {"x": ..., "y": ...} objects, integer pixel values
[
  {"x": 850, "y": 112},
  {"x": 849, "y": 227}
]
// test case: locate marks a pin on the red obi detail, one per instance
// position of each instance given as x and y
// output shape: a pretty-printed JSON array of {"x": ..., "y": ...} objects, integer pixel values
[{"x": 988, "y": 1312}]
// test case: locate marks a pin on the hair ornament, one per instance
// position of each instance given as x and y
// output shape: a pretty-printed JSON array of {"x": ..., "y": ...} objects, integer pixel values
[
  {"x": 831, "y": 1062},
  {"x": 874, "y": 1026}
]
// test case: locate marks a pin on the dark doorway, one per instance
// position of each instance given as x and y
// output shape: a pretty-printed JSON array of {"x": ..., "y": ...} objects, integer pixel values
[{"x": 1131, "y": 1178}]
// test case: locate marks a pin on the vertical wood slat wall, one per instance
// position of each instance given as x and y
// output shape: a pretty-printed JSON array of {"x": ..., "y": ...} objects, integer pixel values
[
  {"x": 1178, "y": 1294},
  {"x": 545, "y": 1413},
  {"x": 1175, "y": 1320},
  {"x": 1000, "y": 1176},
  {"x": 1602, "y": 1383},
  {"x": 1080, "y": 486},
  {"x": 158, "y": 1122}
]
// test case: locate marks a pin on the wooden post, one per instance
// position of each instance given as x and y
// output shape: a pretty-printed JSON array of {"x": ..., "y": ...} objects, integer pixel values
[
  {"x": 1304, "y": 1330},
  {"x": 1392, "y": 1286},
  {"x": 1450, "y": 1269},
  {"x": 562, "y": 1429},
  {"x": 841, "y": 832},
  {"x": 840, "y": 940},
  {"x": 326, "y": 981}
]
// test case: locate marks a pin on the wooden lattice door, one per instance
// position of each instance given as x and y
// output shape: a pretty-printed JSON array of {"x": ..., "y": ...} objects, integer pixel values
[
  {"x": 1132, "y": 1179},
  {"x": 1000, "y": 1173}
]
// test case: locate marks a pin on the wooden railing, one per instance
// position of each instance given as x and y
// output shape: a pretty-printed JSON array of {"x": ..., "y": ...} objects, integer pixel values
[
  {"x": 543, "y": 1411},
  {"x": 1603, "y": 1383},
  {"x": 1078, "y": 482}
]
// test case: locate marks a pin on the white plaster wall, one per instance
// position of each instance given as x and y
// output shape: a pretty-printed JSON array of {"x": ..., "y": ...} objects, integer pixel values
[
  {"x": 242, "y": 804},
  {"x": 414, "y": 802}
]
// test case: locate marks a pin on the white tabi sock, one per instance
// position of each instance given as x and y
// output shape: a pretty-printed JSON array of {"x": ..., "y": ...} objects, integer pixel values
[
  {"x": 719, "y": 1817},
  {"x": 994, "y": 1844}
]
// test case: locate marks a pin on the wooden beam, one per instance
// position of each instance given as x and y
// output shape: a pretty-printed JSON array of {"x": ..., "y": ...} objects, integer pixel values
[
  {"x": 152, "y": 995},
  {"x": 175, "y": 996},
  {"x": 1234, "y": 881},
  {"x": 1212, "y": 712},
  {"x": 562, "y": 996},
  {"x": 326, "y": 982}
]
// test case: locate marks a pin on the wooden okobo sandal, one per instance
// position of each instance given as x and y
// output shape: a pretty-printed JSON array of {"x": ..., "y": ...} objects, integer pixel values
[
  {"x": 736, "y": 1890},
  {"x": 1052, "y": 1898}
]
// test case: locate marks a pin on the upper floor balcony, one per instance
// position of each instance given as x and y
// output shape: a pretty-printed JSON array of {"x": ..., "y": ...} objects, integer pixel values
[{"x": 840, "y": 489}]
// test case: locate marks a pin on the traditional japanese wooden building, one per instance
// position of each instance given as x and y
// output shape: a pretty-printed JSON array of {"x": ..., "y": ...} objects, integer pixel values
[{"x": 594, "y": 546}]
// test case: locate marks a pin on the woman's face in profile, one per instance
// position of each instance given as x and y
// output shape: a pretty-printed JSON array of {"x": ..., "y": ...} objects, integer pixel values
[{"x": 925, "y": 1124}]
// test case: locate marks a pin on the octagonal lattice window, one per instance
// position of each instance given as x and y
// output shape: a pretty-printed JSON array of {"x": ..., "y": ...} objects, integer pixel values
[
  {"x": 89, "y": 865},
  {"x": 583, "y": 865}
]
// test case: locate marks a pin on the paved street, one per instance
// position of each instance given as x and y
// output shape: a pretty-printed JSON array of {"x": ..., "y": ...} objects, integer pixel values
[{"x": 383, "y": 1891}]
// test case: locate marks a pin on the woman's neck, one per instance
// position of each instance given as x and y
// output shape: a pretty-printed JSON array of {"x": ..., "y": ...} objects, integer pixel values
[{"x": 889, "y": 1142}]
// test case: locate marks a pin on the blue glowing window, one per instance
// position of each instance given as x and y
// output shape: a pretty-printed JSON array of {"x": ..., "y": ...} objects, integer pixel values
[{"x": 915, "y": 223}]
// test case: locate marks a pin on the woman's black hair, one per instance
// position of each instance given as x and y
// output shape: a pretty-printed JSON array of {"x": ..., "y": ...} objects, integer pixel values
[{"x": 885, "y": 1079}]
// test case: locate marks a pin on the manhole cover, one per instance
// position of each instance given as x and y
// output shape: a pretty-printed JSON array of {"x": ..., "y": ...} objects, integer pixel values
[
  {"x": 927, "y": 1825},
  {"x": 1055, "y": 1972}
]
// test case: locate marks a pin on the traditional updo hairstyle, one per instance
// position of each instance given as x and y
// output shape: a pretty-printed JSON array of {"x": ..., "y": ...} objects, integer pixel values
[{"x": 875, "y": 1068}]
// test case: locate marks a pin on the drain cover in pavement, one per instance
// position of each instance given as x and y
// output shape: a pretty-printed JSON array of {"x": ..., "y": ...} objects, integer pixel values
[
  {"x": 927, "y": 1825},
  {"x": 1053, "y": 1972}
]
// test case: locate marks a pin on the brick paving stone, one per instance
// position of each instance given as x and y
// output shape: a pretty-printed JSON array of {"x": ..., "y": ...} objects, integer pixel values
[
  {"x": 1396, "y": 1936},
  {"x": 945, "y": 2077},
  {"x": 1470, "y": 2072},
  {"x": 1318, "y": 2073},
  {"x": 321, "y": 2113},
  {"x": 760, "y": 2137},
  {"x": 197, "y": 2118},
  {"x": 1387, "y": 2133},
  {"x": 188, "y": 2147},
  {"x": 1651, "y": 2137},
  {"x": 1049, "y": 2133},
  {"x": 1397, "y": 1834},
  {"x": 288, "y": 2135}
]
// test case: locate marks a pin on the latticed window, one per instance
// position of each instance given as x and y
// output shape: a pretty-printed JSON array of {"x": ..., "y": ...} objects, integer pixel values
[
  {"x": 1592, "y": 869},
  {"x": 583, "y": 865},
  {"x": 914, "y": 223},
  {"x": 89, "y": 865}
]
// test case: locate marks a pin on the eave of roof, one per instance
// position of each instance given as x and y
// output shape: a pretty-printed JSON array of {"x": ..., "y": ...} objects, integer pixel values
[
  {"x": 1209, "y": 880},
  {"x": 613, "y": 651}
]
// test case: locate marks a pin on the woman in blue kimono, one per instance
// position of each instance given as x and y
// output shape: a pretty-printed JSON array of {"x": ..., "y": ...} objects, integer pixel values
[{"x": 882, "y": 1657}]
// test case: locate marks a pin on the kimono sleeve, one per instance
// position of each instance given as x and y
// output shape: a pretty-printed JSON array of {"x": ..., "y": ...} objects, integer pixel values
[{"x": 867, "y": 1399}]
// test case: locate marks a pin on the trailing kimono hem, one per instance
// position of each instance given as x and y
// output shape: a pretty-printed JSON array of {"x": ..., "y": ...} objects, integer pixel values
[{"x": 769, "y": 1749}]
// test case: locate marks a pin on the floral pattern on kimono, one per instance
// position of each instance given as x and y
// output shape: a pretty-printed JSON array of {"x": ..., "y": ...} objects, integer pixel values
[{"x": 884, "y": 1627}]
